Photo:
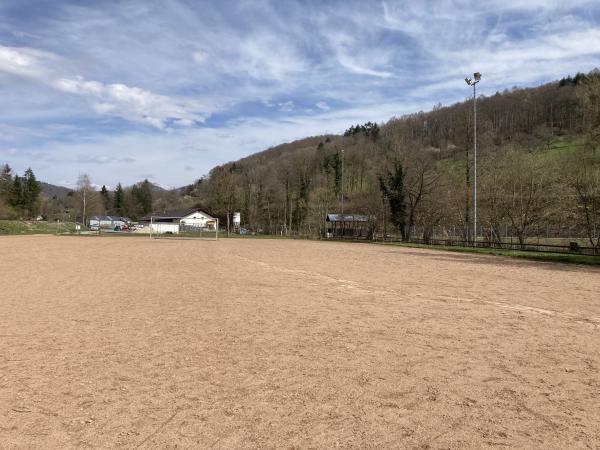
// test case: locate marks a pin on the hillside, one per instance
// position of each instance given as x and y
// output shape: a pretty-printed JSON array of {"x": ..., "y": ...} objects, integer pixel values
[
  {"x": 54, "y": 191},
  {"x": 535, "y": 147}
]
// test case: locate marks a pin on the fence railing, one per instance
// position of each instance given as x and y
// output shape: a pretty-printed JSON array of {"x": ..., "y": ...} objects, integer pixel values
[{"x": 572, "y": 248}]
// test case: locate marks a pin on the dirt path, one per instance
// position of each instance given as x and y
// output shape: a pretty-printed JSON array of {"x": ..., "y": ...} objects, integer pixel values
[{"x": 110, "y": 342}]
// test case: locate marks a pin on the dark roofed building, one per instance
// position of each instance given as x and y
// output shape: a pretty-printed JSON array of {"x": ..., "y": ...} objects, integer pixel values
[
  {"x": 349, "y": 225},
  {"x": 346, "y": 218}
]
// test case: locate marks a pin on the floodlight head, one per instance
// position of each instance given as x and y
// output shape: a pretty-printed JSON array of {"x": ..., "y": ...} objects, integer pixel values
[
  {"x": 468, "y": 80},
  {"x": 477, "y": 76}
]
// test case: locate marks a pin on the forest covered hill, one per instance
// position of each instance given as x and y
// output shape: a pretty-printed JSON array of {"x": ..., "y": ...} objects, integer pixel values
[
  {"x": 54, "y": 191},
  {"x": 537, "y": 171}
]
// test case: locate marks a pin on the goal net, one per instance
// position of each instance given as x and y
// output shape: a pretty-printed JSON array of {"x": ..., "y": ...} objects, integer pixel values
[{"x": 208, "y": 230}]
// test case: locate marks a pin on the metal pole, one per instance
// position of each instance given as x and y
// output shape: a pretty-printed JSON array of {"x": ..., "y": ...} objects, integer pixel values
[
  {"x": 474, "y": 165},
  {"x": 342, "y": 187}
]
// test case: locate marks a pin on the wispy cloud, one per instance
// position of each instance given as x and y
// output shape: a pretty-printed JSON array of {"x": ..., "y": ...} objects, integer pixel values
[
  {"x": 104, "y": 159},
  {"x": 286, "y": 106},
  {"x": 27, "y": 62},
  {"x": 130, "y": 103}
]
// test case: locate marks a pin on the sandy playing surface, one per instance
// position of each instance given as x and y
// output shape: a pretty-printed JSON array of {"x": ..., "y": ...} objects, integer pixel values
[{"x": 131, "y": 342}]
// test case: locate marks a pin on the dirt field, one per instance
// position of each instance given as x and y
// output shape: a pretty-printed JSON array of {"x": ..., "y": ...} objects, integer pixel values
[{"x": 130, "y": 342}]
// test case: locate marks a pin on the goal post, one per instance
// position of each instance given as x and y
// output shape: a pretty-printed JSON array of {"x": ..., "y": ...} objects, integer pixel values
[{"x": 181, "y": 230}]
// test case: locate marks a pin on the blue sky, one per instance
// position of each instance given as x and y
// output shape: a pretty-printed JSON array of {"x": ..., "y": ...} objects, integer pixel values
[{"x": 124, "y": 90}]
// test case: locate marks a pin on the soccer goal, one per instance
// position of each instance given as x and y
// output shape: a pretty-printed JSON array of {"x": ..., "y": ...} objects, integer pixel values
[{"x": 160, "y": 229}]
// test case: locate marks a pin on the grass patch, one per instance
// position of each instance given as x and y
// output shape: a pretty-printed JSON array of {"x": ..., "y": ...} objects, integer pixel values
[
  {"x": 223, "y": 234},
  {"x": 535, "y": 256},
  {"x": 558, "y": 149},
  {"x": 19, "y": 227}
]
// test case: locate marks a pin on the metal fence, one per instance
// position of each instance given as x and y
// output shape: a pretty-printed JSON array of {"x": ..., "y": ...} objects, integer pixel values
[{"x": 574, "y": 248}]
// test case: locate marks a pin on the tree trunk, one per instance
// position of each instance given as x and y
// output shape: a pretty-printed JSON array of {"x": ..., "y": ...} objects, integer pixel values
[{"x": 84, "y": 207}]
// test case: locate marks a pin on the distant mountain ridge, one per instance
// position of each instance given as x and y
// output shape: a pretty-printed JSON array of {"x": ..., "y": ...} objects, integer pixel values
[
  {"x": 60, "y": 192},
  {"x": 52, "y": 190}
]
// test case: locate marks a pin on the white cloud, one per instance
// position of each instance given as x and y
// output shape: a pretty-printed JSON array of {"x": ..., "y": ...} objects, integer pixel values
[
  {"x": 104, "y": 159},
  {"x": 511, "y": 42},
  {"x": 199, "y": 56},
  {"x": 350, "y": 63},
  {"x": 116, "y": 99},
  {"x": 323, "y": 105},
  {"x": 352, "y": 54},
  {"x": 262, "y": 55},
  {"x": 131, "y": 103},
  {"x": 24, "y": 61},
  {"x": 286, "y": 106}
]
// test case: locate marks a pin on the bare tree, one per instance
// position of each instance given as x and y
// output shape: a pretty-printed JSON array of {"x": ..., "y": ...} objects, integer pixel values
[
  {"x": 85, "y": 194},
  {"x": 224, "y": 192},
  {"x": 527, "y": 193},
  {"x": 584, "y": 182},
  {"x": 492, "y": 192},
  {"x": 420, "y": 179},
  {"x": 588, "y": 95}
]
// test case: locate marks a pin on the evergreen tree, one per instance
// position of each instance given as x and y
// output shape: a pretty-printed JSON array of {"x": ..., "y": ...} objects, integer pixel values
[
  {"x": 105, "y": 198},
  {"x": 368, "y": 129},
  {"x": 143, "y": 196},
  {"x": 337, "y": 168},
  {"x": 6, "y": 180},
  {"x": 392, "y": 188},
  {"x": 16, "y": 193},
  {"x": 118, "y": 200},
  {"x": 31, "y": 192},
  {"x": 333, "y": 163}
]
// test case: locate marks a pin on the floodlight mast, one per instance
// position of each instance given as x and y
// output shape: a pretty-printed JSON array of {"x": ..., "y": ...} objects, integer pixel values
[
  {"x": 470, "y": 82},
  {"x": 342, "y": 187}
]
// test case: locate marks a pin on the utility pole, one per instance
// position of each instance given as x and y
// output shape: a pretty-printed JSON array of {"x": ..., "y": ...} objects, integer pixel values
[
  {"x": 342, "y": 186},
  {"x": 470, "y": 82}
]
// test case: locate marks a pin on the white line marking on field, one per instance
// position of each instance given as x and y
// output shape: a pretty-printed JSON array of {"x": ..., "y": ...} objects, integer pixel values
[{"x": 595, "y": 321}]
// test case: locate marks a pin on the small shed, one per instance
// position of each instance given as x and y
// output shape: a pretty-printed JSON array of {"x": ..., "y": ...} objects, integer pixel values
[{"x": 348, "y": 225}]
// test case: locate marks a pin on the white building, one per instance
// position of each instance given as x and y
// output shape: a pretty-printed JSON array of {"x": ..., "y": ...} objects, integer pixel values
[{"x": 179, "y": 220}]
